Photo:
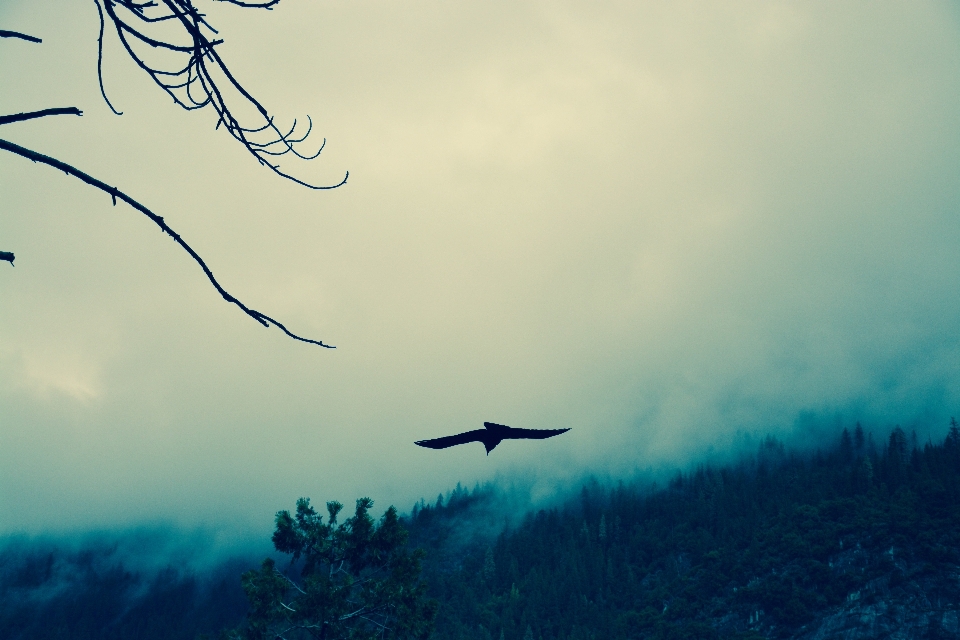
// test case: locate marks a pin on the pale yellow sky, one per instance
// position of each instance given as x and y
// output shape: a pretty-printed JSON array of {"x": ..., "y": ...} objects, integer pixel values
[{"x": 658, "y": 224}]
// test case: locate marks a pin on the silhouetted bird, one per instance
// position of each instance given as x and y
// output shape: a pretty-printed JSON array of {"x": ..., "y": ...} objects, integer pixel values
[{"x": 491, "y": 436}]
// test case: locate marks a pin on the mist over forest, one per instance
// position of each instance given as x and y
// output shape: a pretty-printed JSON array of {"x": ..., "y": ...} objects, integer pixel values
[{"x": 802, "y": 533}]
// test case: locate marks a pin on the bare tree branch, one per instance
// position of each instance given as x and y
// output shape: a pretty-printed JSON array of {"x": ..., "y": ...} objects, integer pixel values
[
  {"x": 116, "y": 194},
  {"x": 192, "y": 85},
  {"x": 267, "y": 4},
  {"x": 43, "y": 113},
  {"x": 202, "y": 77},
  {"x": 103, "y": 92},
  {"x": 17, "y": 34},
  {"x": 289, "y": 581}
]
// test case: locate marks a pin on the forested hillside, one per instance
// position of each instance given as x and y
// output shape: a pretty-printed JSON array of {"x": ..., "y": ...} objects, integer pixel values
[
  {"x": 97, "y": 590},
  {"x": 859, "y": 539},
  {"x": 853, "y": 538}
]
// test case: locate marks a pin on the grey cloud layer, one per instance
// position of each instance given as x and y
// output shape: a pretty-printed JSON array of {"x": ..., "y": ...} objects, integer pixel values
[{"x": 657, "y": 224}]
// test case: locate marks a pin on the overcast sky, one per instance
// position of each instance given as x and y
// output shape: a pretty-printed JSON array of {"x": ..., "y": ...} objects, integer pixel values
[{"x": 658, "y": 224}]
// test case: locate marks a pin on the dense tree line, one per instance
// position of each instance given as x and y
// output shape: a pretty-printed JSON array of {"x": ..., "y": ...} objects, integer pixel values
[
  {"x": 754, "y": 549},
  {"x": 97, "y": 591},
  {"x": 759, "y": 548}
]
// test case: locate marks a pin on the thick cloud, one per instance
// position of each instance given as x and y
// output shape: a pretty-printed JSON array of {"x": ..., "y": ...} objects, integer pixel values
[{"x": 661, "y": 225}]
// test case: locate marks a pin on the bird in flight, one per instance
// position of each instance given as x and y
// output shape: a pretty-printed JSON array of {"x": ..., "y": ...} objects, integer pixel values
[{"x": 491, "y": 435}]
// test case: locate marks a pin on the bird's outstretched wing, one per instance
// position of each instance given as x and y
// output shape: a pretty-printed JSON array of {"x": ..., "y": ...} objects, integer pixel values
[
  {"x": 451, "y": 441},
  {"x": 532, "y": 434}
]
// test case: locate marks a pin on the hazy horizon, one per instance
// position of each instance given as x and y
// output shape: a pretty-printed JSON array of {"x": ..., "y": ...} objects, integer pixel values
[{"x": 666, "y": 227}]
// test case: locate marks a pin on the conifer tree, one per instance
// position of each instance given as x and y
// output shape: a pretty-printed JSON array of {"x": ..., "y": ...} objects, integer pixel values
[
  {"x": 489, "y": 565},
  {"x": 357, "y": 580}
]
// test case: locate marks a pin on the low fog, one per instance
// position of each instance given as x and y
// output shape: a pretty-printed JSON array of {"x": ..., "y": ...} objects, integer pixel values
[{"x": 669, "y": 227}]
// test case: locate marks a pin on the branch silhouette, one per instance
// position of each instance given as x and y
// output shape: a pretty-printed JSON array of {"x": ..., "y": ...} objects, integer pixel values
[
  {"x": 22, "y": 36},
  {"x": 192, "y": 86},
  {"x": 197, "y": 76},
  {"x": 116, "y": 194},
  {"x": 43, "y": 113}
]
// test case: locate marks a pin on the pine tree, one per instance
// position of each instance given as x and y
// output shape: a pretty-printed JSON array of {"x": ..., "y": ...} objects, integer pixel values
[
  {"x": 858, "y": 439},
  {"x": 489, "y": 566},
  {"x": 846, "y": 447},
  {"x": 357, "y": 580},
  {"x": 952, "y": 441}
]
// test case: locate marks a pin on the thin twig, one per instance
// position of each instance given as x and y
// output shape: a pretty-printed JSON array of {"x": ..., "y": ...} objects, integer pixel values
[
  {"x": 292, "y": 583},
  {"x": 371, "y": 620},
  {"x": 193, "y": 85},
  {"x": 267, "y": 4},
  {"x": 17, "y": 34},
  {"x": 103, "y": 91},
  {"x": 43, "y": 113}
]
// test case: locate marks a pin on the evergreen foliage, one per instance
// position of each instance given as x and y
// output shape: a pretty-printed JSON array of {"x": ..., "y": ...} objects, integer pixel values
[
  {"x": 357, "y": 580},
  {"x": 48, "y": 592},
  {"x": 754, "y": 549}
]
